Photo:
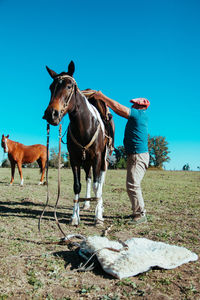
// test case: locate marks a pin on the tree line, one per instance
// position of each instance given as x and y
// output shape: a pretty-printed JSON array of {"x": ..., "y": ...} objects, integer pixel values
[{"x": 158, "y": 152}]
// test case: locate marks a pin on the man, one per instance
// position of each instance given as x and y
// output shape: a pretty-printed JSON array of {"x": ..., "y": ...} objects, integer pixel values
[{"x": 136, "y": 147}]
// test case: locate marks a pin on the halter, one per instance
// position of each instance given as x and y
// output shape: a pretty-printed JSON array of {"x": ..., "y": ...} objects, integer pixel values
[
  {"x": 83, "y": 148},
  {"x": 85, "y": 93},
  {"x": 66, "y": 76},
  {"x": 61, "y": 77}
]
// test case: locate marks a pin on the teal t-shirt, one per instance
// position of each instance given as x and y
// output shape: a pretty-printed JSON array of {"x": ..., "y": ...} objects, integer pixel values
[{"x": 136, "y": 132}]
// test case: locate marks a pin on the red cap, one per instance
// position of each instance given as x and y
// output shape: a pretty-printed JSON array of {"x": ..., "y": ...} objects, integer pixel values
[{"x": 140, "y": 102}]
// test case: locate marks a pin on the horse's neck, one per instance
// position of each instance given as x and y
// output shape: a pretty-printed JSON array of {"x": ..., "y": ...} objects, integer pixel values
[
  {"x": 10, "y": 145},
  {"x": 83, "y": 114},
  {"x": 83, "y": 120}
]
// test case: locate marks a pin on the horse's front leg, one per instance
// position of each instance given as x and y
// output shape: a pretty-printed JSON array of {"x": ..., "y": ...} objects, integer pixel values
[
  {"x": 98, "y": 188},
  {"x": 19, "y": 165},
  {"x": 86, "y": 205},
  {"x": 75, "y": 219},
  {"x": 12, "y": 172}
]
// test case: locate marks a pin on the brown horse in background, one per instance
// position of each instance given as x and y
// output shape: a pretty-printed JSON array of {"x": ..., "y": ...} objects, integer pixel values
[{"x": 20, "y": 154}]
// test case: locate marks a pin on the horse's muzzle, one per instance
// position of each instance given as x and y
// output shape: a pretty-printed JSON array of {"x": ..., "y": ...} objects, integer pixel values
[{"x": 52, "y": 116}]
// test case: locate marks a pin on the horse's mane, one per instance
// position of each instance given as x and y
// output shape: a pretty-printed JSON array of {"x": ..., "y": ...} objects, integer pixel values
[{"x": 14, "y": 142}]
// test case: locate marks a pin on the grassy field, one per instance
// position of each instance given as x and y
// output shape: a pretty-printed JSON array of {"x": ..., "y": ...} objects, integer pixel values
[{"x": 32, "y": 269}]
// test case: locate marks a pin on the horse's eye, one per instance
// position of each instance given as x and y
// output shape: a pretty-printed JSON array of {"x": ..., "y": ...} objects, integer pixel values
[{"x": 69, "y": 87}]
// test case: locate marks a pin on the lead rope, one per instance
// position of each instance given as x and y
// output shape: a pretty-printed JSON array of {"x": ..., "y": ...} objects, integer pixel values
[
  {"x": 58, "y": 196},
  {"x": 47, "y": 171}
]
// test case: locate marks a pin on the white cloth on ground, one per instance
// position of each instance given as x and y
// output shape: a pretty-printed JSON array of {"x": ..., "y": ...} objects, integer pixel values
[{"x": 141, "y": 255}]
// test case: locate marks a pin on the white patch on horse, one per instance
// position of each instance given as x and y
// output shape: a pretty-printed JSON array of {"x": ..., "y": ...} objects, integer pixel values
[
  {"x": 98, "y": 187},
  {"x": 95, "y": 113},
  {"x": 99, "y": 210},
  {"x": 105, "y": 160},
  {"x": 101, "y": 182},
  {"x": 75, "y": 219},
  {"x": 6, "y": 150},
  {"x": 88, "y": 194}
]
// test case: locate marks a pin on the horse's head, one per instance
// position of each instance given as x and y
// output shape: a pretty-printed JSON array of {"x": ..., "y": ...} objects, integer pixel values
[
  {"x": 4, "y": 143},
  {"x": 62, "y": 90}
]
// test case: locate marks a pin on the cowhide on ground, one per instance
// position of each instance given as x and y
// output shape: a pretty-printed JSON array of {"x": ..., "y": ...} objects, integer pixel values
[{"x": 140, "y": 256}]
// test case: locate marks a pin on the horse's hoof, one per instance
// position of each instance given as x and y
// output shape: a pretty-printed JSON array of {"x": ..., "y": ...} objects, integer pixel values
[
  {"x": 75, "y": 221},
  {"x": 86, "y": 207},
  {"x": 98, "y": 223},
  {"x": 40, "y": 183}
]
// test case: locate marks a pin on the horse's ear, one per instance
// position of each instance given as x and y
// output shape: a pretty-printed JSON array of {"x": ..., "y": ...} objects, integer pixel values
[
  {"x": 71, "y": 68},
  {"x": 2, "y": 136},
  {"x": 51, "y": 73},
  {"x": 7, "y": 136}
]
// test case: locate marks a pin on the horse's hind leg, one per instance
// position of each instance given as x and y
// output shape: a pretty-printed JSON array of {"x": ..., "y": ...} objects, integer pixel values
[
  {"x": 42, "y": 164},
  {"x": 98, "y": 189},
  {"x": 86, "y": 205},
  {"x": 75, "y": 219}
]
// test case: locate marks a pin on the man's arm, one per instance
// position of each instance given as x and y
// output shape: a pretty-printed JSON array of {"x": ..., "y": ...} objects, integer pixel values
[{"x": 118, "y": 108}]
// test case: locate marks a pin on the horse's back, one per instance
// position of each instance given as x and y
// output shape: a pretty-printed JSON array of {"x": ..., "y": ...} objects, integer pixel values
[
  {"x": 32, "y": 153},
  {"x": 105, "y": 114}
]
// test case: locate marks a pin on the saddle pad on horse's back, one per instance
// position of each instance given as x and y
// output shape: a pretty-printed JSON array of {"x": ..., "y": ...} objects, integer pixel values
[
  {"x": 100, "y": 105},
  {"x": 105, "y": 114}
]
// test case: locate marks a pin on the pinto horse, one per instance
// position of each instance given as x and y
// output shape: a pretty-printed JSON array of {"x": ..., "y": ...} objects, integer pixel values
[
  {"x": 87, "y": 141},
  {"x": 20, "y": 154}
]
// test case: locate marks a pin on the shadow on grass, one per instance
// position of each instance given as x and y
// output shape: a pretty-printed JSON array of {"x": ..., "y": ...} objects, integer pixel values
[
  {"x": 5, "y": 183},
  {"x": 73, "y": 260},
  {"x": 26, "y": 208},
  {"x": 29, "y": 202}
]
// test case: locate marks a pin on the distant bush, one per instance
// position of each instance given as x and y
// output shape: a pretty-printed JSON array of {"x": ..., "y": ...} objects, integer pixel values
[
  {"x": 152, "y": 168},
  {"x": 67, "y": 164},
  {"x": 5, "y": 163},
  {"x": 121, "y": 164},
  {"x": 186, "y": 167},
  {"x": 32, "y": 165},
  {"x": 54, "y": 158}
]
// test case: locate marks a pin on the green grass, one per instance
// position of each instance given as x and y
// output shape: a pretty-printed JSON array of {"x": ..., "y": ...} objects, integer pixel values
[{"x": 33, "y": 269}]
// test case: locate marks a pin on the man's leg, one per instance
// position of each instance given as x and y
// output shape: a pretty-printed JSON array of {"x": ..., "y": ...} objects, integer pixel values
[{"x": 136, "y": 168}]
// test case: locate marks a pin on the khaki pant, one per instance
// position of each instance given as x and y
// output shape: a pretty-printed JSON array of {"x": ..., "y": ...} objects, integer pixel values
[{"x": 137, "y": 165}]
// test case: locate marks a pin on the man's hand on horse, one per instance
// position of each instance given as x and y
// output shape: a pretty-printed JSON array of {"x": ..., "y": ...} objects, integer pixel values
[{"x": 98, "y": 95}]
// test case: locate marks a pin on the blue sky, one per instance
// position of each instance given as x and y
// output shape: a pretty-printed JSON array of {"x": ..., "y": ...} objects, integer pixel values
[{"x": 126, "y": 49}]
